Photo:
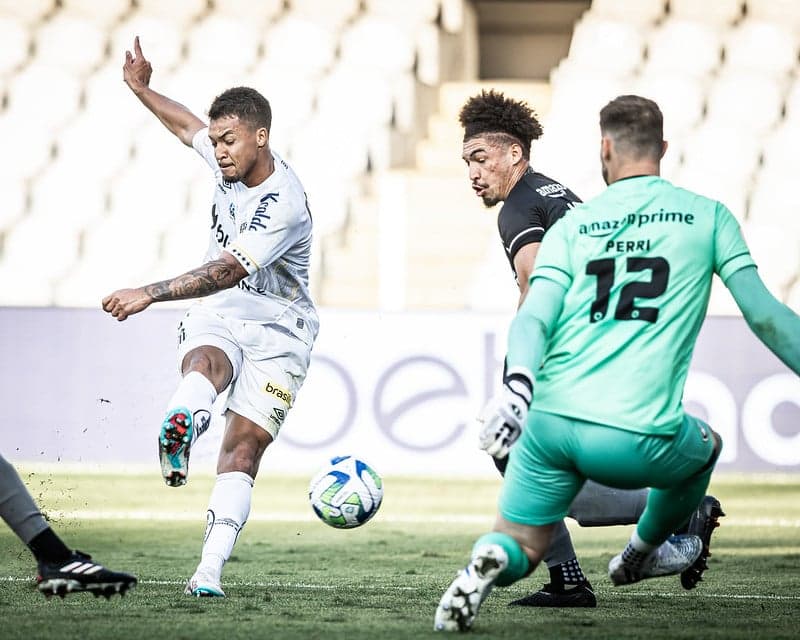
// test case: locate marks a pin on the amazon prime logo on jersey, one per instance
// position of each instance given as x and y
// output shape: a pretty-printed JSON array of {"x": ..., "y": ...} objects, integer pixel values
[
  {"x": 552, "y": 190},
  {"x": 260, "y": 217}
]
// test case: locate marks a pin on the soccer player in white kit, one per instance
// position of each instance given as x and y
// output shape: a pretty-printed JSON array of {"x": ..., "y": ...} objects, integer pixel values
[{"x": 254, "y": 326}]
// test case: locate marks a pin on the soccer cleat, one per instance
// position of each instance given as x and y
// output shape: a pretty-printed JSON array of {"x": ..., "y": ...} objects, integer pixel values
[
  {"x": 581, "y": 595},
  {"x": 174, "y": 443},
  {"x": 460, "y": 603},
  {"x": 674, "y": 556},
  {"x": 203, "y": 585},
  {"x": 79, "y": 573},
  {"x": 702, "y": 523}
]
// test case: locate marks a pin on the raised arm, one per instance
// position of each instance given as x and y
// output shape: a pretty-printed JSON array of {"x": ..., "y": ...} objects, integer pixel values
[
  {"x": 775, "y": 324},
  {"x": 174, "y": 116}
]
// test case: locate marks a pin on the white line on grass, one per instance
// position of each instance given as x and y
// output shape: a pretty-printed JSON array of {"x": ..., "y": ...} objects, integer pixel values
[
  {"x": 332, "y": 587},
  {"x": 296, "y": 516}
]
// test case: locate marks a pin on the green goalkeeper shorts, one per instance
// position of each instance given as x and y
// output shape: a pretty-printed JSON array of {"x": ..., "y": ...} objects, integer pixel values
[{"x": 555, "y": 455}]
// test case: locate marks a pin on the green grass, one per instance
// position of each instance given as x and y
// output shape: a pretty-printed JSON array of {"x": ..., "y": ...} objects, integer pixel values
[{"x": 296, "y": 578}]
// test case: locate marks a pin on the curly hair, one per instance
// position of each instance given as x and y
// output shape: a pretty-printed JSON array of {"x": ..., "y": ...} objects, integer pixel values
[
  {"x": 246, "y": 103},
  {"x": 492, "y": 112}
]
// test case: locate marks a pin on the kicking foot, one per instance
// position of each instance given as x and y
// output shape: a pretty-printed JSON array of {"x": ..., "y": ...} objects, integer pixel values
[
  {"x": 702, "y": 524},
  {"x": 674, "y": 556},
  {"x": 580, "y": 595},
  {"x": 460, "y": 603},
  {"x": 174, "y": 443},
  {"x": 78, "y": 573}
]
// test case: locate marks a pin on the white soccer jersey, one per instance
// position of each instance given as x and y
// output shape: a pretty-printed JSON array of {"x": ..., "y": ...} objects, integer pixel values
[{"x": 267, "y": 228}]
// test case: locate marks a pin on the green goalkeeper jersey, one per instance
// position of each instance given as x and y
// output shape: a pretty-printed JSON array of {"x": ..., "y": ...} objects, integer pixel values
[{"x": 637, "y": 263}]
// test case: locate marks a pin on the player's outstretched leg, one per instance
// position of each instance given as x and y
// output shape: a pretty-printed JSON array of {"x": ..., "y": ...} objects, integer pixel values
[
  {"x": 174, "y": 443},
  {"x": 460, "y": 603},
  {"x": 78, "y": 573},
  {"x": 702, "y": 523},
  {"x": 672, "y": 557}
]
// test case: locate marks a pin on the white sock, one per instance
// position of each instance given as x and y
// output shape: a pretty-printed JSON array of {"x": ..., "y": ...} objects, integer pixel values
[
  {"x": 195, "y": 393},
  {"x": 228, "y": 509},
  {"x": 636, "y": 551}
]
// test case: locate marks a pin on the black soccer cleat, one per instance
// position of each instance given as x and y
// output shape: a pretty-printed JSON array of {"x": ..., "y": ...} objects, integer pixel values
[
  {"x": 702, "y": 523},
  {"x": 581, "y": 595},
  {"x": 78, "y": 573}
]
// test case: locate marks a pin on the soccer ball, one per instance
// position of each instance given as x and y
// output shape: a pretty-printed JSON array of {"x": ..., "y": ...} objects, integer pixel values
[{"x": 346, "y": 493}]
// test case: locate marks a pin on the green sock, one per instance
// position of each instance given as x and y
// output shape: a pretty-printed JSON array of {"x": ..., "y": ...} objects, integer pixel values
[{"x": 518, "y": 563}]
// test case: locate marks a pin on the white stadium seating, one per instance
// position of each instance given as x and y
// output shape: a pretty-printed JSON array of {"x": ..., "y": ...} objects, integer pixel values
[{"x": 365, "y": 97}]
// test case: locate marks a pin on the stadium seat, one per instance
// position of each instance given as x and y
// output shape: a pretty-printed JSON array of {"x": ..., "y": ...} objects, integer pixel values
[
  {"x": 779, "y": 153},
  {"x": 258, "y": 13},
  {"x": 32, "y": 145},
  {"x": 161, "y": 40},
  {"x": 732, "y": 191},
  {"x": 179, "y": 12},
  {"x": 786, "y": 12},
  {"x": 775, "y": 201},
  {"x": 333, "y": 15},
  {"x": 16, "y": 44},
  {"x": 769, "y": 48},
  {"x": 291, "y": 97},
  {"x": 205, "y": 37},
  {"x": 14, "y": 203},
  {"x": 71, "y": 192},
  {"x": 357, "y": 98},
  {"x": 123, "y": 244},
  {"x": 719, "y": 13},
  {"x": 708, "y": 149},
  {"x": 29, "y": 12},
  {"x": 144, "y": 196},
  {"x": 683, "y": 46},
  {"x": 613, "y": 47},
  {"x": 108, "y": 101},
  {"x": 324, "y": 132},
  {"x": 301, "y": 45},
  {"x": 378, "y": 43},
  {"x": 102, "y": 14},
  {"x": 792, "y": 105},
  {"x": 42, "y": 246},
  {"x": 641, "y": 13},
  {"x": 70, "y": 43},
  {"x": 196, "y": 87},
  {"x": 34, "y": 290},
  {"x": 410, "y": 13},
  {"x": 725, "y": 104},
  {"x": 776, "y": 253},
  {"x": 35, "y": 90},
  {"x": 680, "y": 97},
  {"x": 96, "y": 142}
]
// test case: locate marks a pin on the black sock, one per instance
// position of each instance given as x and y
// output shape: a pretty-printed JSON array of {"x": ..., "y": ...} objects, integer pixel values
[
  {"x": 566, "y": 574},
  {"x": 48, "y": 547}
]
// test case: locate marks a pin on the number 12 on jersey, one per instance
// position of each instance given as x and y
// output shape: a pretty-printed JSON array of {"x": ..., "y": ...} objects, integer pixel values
[{"x": 603, "y": 270}]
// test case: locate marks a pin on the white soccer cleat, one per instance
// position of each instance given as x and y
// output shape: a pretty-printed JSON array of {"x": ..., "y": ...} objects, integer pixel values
[
  {"x": 460, "y": 603},
  {"x": 677, "y": 554},
  {"x": 204, "y": 585}
]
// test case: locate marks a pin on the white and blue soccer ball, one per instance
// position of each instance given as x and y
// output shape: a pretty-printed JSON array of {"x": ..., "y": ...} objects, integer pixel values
[{"x": 346, "y": 492}]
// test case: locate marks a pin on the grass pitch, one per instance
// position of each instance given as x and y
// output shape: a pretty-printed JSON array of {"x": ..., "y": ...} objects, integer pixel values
[{"x": 293, "y": 577}]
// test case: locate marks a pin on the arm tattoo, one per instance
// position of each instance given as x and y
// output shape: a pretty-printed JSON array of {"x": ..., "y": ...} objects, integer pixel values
[{"x": 211, "y": 277}]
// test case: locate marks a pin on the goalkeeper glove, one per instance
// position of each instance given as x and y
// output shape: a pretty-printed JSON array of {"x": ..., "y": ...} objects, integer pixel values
[{"x": 503, "y": 418}]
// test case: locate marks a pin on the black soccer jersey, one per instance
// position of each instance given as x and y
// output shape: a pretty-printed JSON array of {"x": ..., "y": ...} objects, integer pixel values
[{"x": 531, "y": 208}]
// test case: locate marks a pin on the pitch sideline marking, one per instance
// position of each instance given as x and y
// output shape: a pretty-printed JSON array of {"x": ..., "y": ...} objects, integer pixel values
[
  {"x": 282, "y": 516},
  {"x": 329, "y": 587}
]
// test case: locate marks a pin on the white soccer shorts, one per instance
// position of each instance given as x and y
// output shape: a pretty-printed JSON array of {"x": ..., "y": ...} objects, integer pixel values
[{"x": 269, "y": 363}]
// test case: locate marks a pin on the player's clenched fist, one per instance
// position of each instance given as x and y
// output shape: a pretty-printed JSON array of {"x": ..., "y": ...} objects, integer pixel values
[{"x": 126, "y": 302}]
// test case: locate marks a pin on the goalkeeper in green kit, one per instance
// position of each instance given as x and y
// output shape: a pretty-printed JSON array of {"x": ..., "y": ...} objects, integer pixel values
[{"x": 616, "y": 301}]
